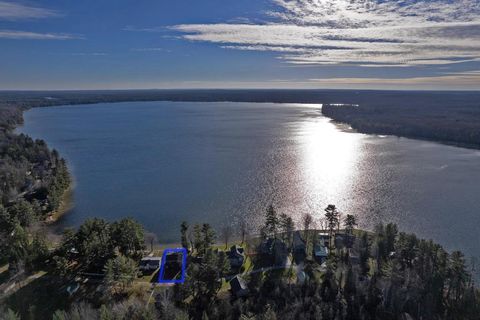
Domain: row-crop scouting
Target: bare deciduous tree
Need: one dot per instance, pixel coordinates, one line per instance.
(226, 234)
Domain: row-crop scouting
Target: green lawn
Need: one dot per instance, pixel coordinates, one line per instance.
(4, 274)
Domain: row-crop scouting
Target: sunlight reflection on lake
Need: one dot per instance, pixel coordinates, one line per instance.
(328, 162)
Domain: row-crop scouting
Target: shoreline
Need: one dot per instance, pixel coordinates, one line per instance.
(352, 126)
(66, 204)
(411, 137)
(371, 102)
(414, 125)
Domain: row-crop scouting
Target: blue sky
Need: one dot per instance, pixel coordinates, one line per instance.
(118, 44)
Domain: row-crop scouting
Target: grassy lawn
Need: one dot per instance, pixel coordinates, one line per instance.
(4, 274)
(225, 286)
(149, 277)
(248, 264)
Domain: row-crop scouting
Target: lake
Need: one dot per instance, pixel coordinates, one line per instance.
(222, 163)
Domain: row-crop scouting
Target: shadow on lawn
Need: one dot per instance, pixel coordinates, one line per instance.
(39, 299)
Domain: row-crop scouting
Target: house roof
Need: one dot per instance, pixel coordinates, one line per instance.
(150, 261)
(237, 283)
(237, 248)
(320, 251)
(235, 251)
(151, 258)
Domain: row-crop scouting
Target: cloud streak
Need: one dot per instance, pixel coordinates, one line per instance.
(16, 11)
(21, 35)
(468, 80)
(365, 32)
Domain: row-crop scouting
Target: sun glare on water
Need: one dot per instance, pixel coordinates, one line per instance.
(329, 162)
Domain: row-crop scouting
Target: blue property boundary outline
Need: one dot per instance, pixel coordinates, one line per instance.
(183, 251)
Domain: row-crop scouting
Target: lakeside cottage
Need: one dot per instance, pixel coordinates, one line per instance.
(276, 250)
(299, 248)
(339, 241)
(173, 266)
(236, 256)
(324, 239)
(320, 253)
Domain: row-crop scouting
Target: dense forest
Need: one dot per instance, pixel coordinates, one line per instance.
(449, 118)
(384, 274)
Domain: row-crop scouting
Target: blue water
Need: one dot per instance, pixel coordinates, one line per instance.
(222, 163)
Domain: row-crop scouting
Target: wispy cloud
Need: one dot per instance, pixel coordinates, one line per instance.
(363, 32)
(16, 11)
(467, 80)
(94, 54)
(15, 34)
(150, 50)
(151, 29)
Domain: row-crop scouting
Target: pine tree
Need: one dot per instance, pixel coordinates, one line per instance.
(332, 215)
(271, 222)
(183, 232)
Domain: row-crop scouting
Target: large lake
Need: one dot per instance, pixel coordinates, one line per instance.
(164, 162)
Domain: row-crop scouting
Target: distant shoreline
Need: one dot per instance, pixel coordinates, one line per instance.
(450, 118)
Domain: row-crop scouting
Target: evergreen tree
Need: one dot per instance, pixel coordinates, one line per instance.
(287, 226)
(129, 236)
(208, 237)
(332, 215)
(120, 272)
(271, 222)
(183, 232)
(350, 223)
(197, 238)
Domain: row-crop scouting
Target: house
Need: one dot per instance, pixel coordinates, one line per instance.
(236, 256)
(340, 240)
(320, 252)
(324, 239)
(299, 248)
(301, 277)
(150, 264)
(275, 250)
(238, 287)
(72, 288)
(173, 266)
(266, 246)
(280, 253)
(353, 256)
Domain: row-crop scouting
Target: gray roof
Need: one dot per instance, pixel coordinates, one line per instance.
(237, 283)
